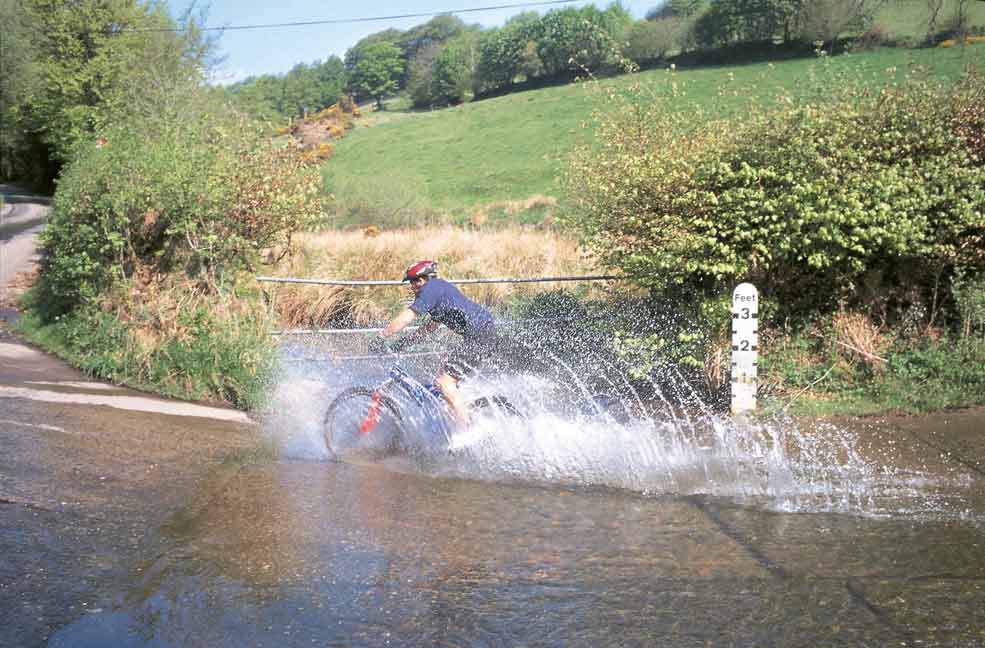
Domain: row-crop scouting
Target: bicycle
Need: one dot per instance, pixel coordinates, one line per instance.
(373, 421)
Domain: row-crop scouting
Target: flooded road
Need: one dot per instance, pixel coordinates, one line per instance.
(87, 478)
(133, 528)
(300, 553)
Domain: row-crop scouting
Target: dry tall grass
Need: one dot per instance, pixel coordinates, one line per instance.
(511, 252)
(860, 338)
(157, 310)
(481, 213)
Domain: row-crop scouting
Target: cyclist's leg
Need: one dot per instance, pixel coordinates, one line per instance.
(462, 362)
(448, 385)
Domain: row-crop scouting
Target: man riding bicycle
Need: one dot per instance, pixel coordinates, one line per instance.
(447, 305)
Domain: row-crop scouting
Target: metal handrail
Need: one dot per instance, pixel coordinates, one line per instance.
(394, 282)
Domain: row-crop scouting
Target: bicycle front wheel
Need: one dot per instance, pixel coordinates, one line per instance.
(361, 423)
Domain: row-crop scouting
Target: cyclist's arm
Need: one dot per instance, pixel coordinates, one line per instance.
(399, 323)
(422, 333)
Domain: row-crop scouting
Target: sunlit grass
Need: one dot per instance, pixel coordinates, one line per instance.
(908, 18)
(445, 163)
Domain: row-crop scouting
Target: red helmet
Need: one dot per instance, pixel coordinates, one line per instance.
(426, 268)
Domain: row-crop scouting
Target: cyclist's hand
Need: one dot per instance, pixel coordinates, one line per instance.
(378, 345)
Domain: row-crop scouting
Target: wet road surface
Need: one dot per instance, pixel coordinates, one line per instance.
(85, 488)
(137, 528)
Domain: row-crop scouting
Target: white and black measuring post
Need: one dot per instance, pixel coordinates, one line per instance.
(745, 347)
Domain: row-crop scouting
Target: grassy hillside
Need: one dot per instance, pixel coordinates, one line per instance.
(908, 18)
(402, 167)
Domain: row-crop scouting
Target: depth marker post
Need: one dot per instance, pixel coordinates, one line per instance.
(745, 347)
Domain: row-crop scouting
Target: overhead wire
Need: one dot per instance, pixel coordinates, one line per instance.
(340, 21)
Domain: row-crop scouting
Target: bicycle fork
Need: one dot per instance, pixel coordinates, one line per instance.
(372, 417)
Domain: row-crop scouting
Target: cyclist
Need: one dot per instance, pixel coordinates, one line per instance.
(446, 305)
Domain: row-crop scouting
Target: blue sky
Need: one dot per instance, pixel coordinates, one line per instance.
(276, 50)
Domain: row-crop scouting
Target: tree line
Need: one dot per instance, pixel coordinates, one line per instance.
(446, 61)
(67, 65)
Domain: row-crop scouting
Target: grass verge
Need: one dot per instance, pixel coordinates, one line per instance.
(170, 340)
(916, 377)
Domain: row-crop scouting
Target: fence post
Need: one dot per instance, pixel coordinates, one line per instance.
(745, 347)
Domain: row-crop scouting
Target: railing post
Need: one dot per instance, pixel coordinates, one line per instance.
(745, 347)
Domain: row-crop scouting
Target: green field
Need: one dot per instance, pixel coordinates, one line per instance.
(399, 166)
(908, 18)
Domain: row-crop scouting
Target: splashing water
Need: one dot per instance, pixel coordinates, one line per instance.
(778, 463)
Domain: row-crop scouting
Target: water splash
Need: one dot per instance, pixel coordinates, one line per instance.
(647, 446)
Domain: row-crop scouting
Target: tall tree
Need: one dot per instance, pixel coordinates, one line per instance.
(453, 71)
(934, 8)
(17, 76)
(355, 53)
(92, 57)
(675, 9)
(738, 21)
(437, 31)
(378, 72)
(420, 75)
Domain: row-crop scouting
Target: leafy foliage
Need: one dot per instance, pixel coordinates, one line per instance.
(453, 72)
(562, 42)
(807, 373)
(574, 40)
(969, 298)
(868, 199)
(743, 21)
(378, 72)
(18, 154)
(420, 73)
(675, 9)
(86, 57)
(304, 89)
(437, 32)
(652, 40)
(185, 188)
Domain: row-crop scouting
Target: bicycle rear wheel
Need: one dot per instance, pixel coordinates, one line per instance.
(494, 405)
(360, 425)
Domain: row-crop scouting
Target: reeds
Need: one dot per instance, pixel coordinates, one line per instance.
(376, 255)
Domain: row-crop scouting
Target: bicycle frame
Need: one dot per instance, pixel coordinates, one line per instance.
(427, 396)
(415, 389)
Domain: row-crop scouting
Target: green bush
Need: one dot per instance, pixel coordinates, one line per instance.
(969, 298)
(194, 347)
(182, 188)
(870, 198)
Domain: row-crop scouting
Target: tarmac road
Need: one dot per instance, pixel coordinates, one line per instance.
(86, 468)
(20, 222)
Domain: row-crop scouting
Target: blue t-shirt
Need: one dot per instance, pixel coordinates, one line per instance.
(447, 305)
